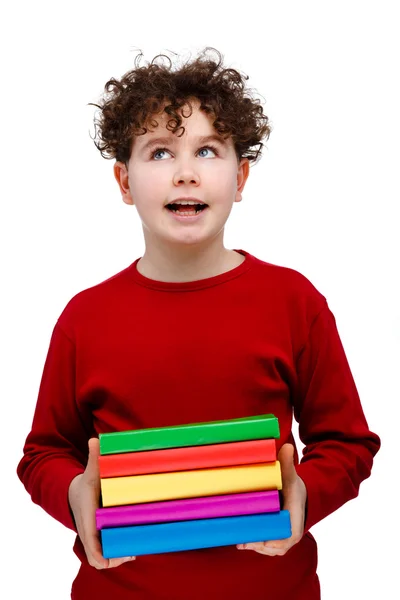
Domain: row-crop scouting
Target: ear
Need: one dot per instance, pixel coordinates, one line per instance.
(242, 175)
(121, 175)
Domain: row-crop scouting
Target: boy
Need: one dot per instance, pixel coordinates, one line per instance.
(194, 332)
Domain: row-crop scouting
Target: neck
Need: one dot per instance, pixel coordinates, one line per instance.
(190, 263)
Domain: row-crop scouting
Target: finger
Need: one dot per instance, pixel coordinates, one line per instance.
(293, 503)
(251, 546)
(270, 550)
(292, 498)
(286, 460)
(116, 562)
(278, 544)
(92, 468)
(89, 534)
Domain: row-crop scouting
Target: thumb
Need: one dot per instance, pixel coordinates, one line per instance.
(286, 460)
(92, 467)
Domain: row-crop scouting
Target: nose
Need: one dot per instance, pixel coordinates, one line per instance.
(186, 174)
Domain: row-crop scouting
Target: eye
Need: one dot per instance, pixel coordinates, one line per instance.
(157, 150)
(210, 148)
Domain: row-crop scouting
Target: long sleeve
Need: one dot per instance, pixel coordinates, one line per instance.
(55, 450)
(339, 447)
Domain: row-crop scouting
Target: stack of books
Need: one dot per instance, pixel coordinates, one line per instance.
(190, 486)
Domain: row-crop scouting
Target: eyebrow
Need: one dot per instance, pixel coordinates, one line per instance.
(204, 139)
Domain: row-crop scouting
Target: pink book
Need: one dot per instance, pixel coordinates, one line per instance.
(188, 509)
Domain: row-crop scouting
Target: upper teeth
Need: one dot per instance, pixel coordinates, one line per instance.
(186, 202)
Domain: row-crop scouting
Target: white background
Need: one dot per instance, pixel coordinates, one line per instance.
(322, 200)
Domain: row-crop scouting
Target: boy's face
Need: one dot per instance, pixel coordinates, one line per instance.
(186, 167)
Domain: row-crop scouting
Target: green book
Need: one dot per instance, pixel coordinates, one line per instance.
(193, 434)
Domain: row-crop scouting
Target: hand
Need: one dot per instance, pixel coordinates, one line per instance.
(294, 500)
(83, 496)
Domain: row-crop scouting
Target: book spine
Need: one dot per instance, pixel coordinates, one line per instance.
(251, 428)
(187, 509)
(188, 458)
(135, 489)
(189, 535)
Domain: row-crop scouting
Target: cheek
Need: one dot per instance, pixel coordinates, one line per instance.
(224, 190)
(148, 188)
(225, 176)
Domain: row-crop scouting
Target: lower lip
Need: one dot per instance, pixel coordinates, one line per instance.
(187, 218)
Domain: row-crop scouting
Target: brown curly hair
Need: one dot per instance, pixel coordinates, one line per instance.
(128, 105)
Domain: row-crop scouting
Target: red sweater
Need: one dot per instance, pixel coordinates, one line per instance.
(132, 352)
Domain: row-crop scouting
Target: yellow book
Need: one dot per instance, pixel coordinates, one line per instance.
(117, 491)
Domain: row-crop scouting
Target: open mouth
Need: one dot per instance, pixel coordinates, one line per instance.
(186, 209)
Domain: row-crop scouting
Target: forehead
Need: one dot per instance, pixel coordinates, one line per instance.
(198, 126)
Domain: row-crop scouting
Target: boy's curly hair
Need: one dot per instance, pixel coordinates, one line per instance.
(129, 105)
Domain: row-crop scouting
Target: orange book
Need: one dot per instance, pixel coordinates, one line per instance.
(187, 458)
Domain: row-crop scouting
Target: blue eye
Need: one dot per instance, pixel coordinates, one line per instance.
(157, 150)
(208, 148)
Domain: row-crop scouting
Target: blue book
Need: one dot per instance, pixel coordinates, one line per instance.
(190, 535)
